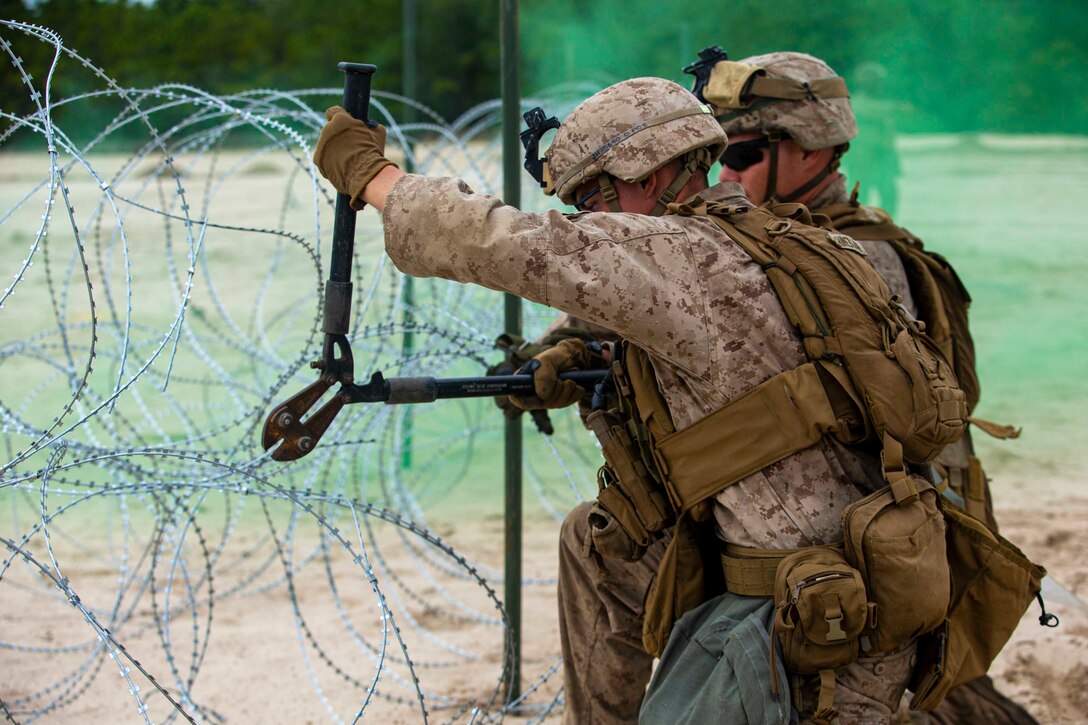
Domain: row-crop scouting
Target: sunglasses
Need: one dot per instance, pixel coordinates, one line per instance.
(739, 156)
(579, 204)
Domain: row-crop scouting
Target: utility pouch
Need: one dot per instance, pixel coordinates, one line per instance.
(821, 609)
(992, 585)
(896, 539)
(678, 587)
(939, 405)
(627, 490)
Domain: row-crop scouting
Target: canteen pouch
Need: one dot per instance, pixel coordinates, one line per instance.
(896, 539)
(992, 585)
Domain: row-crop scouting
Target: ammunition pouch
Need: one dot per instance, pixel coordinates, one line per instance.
(627, 489)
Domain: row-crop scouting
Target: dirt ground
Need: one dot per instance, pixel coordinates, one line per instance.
(289, 651)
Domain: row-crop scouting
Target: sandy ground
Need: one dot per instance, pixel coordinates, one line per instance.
(1044, 669)
(289, 652)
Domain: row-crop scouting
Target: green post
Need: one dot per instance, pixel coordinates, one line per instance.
(511, 158)
(409, 88)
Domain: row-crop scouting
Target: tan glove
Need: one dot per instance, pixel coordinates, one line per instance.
(350, 153)
(551, 392)
(540, 417)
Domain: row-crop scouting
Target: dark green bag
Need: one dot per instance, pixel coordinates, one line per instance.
(717, 668)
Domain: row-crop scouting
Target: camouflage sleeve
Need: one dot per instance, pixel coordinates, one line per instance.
(567, 321)
(633, 275)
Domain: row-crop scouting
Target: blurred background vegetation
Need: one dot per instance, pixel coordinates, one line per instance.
(1011, 66)
(973, 118)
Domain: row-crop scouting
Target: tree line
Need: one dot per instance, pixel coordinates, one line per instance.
(956, 66)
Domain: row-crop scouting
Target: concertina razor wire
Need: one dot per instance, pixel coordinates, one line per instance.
(165, 250)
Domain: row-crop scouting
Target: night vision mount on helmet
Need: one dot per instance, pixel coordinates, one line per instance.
(538, 125)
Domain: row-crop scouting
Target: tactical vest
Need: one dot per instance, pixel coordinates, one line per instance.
(872, 378)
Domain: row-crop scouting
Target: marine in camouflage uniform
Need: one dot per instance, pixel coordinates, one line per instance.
(676, 286)
(812, 135)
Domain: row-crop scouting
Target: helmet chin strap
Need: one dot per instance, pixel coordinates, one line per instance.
(697, 160)
(771, 193)
(693, 161)
(608, 192)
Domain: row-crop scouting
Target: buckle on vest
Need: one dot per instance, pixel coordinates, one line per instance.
(833, 617)
(778, 227)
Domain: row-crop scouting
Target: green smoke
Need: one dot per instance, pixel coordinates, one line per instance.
(1001, 66)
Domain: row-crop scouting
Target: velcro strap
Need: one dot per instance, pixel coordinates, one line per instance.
(996, 430)
(791, 90)
(783, 415)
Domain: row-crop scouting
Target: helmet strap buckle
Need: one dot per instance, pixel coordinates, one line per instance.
(771, 194)
(608, 193)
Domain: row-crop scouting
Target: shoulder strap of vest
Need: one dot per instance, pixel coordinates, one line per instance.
(866, 222)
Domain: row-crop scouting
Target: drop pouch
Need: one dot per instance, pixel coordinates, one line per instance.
(992, 585)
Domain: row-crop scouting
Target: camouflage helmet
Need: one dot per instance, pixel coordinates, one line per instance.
(816, 119)
(629, 130)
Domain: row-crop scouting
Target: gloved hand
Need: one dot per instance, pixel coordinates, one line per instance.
(540, 417)
(350, 153)
(551, 392)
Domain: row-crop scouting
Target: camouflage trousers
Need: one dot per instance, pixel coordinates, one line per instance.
(977, 701)
(606, 670)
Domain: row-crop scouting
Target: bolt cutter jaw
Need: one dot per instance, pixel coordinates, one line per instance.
(296, 436)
